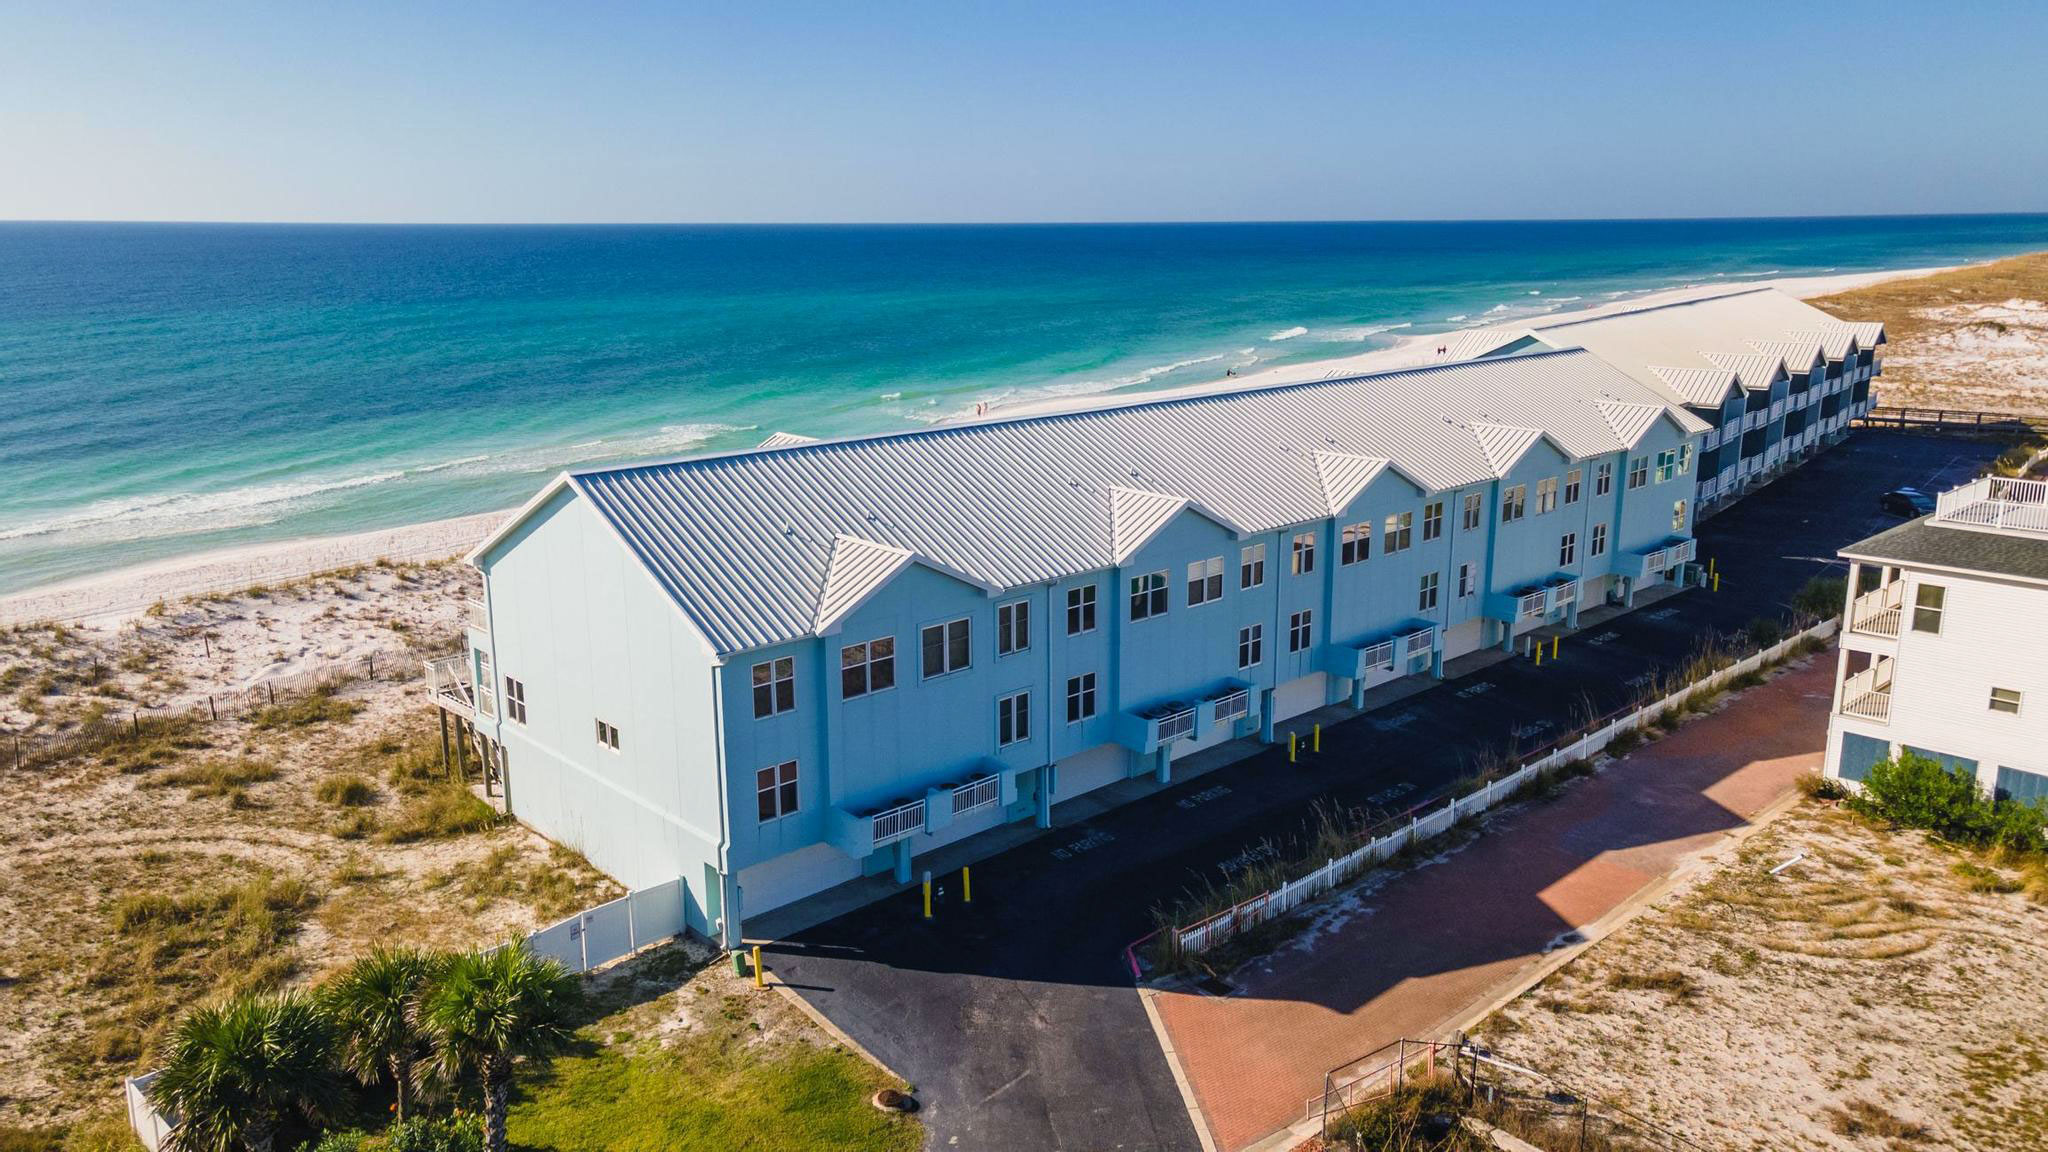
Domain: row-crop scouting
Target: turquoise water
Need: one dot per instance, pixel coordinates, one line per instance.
(171, 388)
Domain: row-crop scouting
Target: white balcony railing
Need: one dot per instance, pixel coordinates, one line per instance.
(475, 615)
(1175, 725)
(1230, 708)
(1419, 642)
(896, 823)
(1878, 611)
(1997, 503)
(1380, 655)
(976, 795)
(449, 684)
(1533, 604)
(1869, 693)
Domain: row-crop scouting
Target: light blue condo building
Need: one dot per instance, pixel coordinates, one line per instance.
(773, 671)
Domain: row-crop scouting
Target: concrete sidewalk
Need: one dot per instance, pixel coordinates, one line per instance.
(1417, 954)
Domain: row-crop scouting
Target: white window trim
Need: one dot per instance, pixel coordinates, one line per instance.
(1006, 633)
(1016, 737)
(946, 637)
(1085, 601)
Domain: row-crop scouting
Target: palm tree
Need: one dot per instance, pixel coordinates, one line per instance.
(239, 1069)
(487, 1009)
(374, 1005)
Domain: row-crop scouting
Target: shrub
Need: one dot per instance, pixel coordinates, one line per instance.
(1822, 597)
(346, 1140)
(219, 777)
(1915, 791)
(316, 707)
(347, 790)
(462, 1132)
(448, 809)
(1815, 786)
(1764, 631)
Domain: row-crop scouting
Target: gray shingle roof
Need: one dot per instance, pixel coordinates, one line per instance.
(749, 543)
(1923, 543)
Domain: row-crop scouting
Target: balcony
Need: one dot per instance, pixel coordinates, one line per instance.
(1777, 411)
(977, 794)
(1868, 693)
(1147, 730)
(1878, 612)
(450, 687)
(1652, 563)
(893, 824)
(475, 616)
(1996, 504)
(1530, 605)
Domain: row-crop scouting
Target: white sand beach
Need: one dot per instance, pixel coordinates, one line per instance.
(110, 598)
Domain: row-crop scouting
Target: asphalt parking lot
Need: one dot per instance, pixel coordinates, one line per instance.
(1015, 1017)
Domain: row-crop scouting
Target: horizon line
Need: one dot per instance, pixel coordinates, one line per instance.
(1159, 223)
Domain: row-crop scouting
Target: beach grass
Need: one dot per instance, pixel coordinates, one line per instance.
(1902, 304)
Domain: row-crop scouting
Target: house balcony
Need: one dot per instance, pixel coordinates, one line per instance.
(451, 687)
(475, 616)
(1868, 694)
(1650, 564)
(1996, 504)
(1384, 659)
(860, 831)
(1777, 411)
(1147, 730)
(1879, 611)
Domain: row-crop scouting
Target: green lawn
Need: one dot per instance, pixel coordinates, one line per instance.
(748, 1072)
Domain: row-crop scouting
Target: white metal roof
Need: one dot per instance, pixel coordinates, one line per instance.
(751, 545)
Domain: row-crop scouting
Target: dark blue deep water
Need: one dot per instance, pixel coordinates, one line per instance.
(168, 388)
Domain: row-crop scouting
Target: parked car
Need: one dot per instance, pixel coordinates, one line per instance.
(1908, 502)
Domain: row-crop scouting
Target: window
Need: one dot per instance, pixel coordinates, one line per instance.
(487, 700)
(1927, 605)
(1013, 719)
(1251, 566)
(1465, 582)
(1080, 610)
(1300, 631)
(1599, 543)
(774, 687)
(775, 790)
(946, 647)
(1251, 646)
(1567, 549)
(1400, 533)
(1513, 502)
(1685, 458)
(865, 668)
(1667, 465)
(1205, 580)
(1080, 697)
(515, 701)
(1678, 515)
(1432, 520)
(1638, 472)
(2005, 700)
(1356, 543)
(1571, 485)
(608, 735)
(1546, 495)
(1603, 478)
(1148, 595)
(1425, 596)
(1013, 627)
(1304, 560)
(1475, 507)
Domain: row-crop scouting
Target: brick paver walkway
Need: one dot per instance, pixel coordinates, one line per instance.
(1414, 955)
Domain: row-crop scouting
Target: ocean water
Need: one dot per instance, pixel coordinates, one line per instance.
(171, 388)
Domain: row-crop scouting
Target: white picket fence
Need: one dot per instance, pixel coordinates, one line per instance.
(1277, 902)
(590, 939)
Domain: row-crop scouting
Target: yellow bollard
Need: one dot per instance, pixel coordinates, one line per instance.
(1539, 655)
(1717, 581)
(966, 886)
(1553, 646)
(1316, 742)
(927, 895)
(758, 981)
(1292, 739)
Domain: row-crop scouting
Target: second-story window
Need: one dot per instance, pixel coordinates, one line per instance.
(2005, 700)
(1148, 595)
(1080, 697)
(1013, 627)
(608, 735)
(515, 701)
(1465, 581)
(1929, 600)
(1638, 472)
(1304, 560)
(774, 686)
(869, 667)
(1513, 502)
(1251, 566)
(1205, 580)
(1013, 719)
(775, 790)
(1603, 478)
(946, 647)
(1355, 544)
(1474, 509)
(1300, 631)
(1425, 598)
(1571, 485)
(1546, 495)
(1400, 533)
(1685, 458)
(1432, 520)
(1598, 547)
(1567, 549)
(1251, 646)
(1080, 610)
(1667, 466)
(1678, 516)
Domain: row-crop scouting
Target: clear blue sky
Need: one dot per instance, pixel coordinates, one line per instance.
(970, 111)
